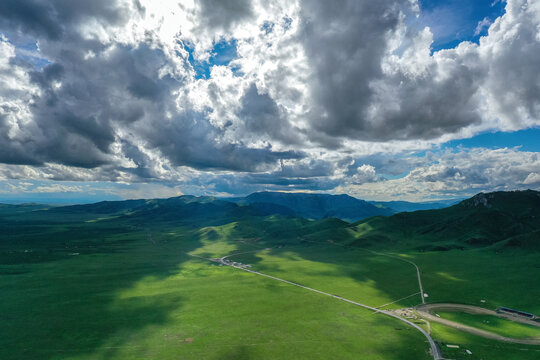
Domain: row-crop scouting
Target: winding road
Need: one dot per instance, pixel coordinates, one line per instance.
(422, 309)
(422, 294)
(434, 348)
(425, 312)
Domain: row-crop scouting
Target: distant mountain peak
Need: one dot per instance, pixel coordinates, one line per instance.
(315, 205)
(503, 199)
(481, 200)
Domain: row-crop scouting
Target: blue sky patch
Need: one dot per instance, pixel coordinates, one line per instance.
(527, 140)
(222, 54)
(395, 177)
(454, 21)
(29, 53)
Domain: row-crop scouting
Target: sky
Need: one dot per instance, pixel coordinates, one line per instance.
(412, 100)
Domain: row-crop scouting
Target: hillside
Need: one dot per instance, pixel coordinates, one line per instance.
(314, 206)
(401, 206)
(507, 219)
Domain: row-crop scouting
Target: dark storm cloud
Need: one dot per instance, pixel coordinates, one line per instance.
(77, 120)
(222, 14)
(143, 87)
(123, 102)
(35, 16)
(428, 110)
(354, 97)
(70, 123)
(14, 152)
(345, 45)
(195, 142)
(261, 115)
(85, 99)
(53, 18)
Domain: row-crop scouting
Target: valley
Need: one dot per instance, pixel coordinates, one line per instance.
(97, 282)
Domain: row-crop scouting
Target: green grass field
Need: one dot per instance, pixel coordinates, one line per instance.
(132, 299)
(107, 286)
(481, 348)
(493, 324)
(467, 277)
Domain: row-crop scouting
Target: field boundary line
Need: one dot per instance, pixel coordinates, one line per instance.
(403, 298)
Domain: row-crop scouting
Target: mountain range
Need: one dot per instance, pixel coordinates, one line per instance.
(499, 219)
(402, 206)
(314, 206)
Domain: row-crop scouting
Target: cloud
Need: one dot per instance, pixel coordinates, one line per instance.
(458, 173)
(532, 179)
(318, 96)
(344, 61)
(101, 94)
(511, 87)
(482, 24)
(364, 174)
(54, 18)
(224, 14)
(261, 116)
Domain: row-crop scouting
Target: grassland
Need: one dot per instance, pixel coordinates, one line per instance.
(493, 324)
(125, 297)
(106, 285)
(467, 277)
(481, 348)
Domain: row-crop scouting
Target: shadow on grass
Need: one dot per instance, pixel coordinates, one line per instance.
(75, 305)
(241, 352)
(325, 245)
(63, 295)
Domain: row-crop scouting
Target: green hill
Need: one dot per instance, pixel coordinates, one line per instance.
(401, 206)
(507, 219)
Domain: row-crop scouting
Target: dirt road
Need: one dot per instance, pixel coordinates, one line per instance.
(471, 309)
(382, 254)
(434, 348)
(407, 261)
(426, 312)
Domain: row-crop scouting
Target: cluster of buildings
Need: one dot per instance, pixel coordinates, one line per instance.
(236, 264)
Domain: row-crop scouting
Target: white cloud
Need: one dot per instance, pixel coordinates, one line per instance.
(532, 179)
(457, 173)
(482, 24)
(309, 99)
(364, 174)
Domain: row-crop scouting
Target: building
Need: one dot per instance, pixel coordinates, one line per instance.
(516, 312)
